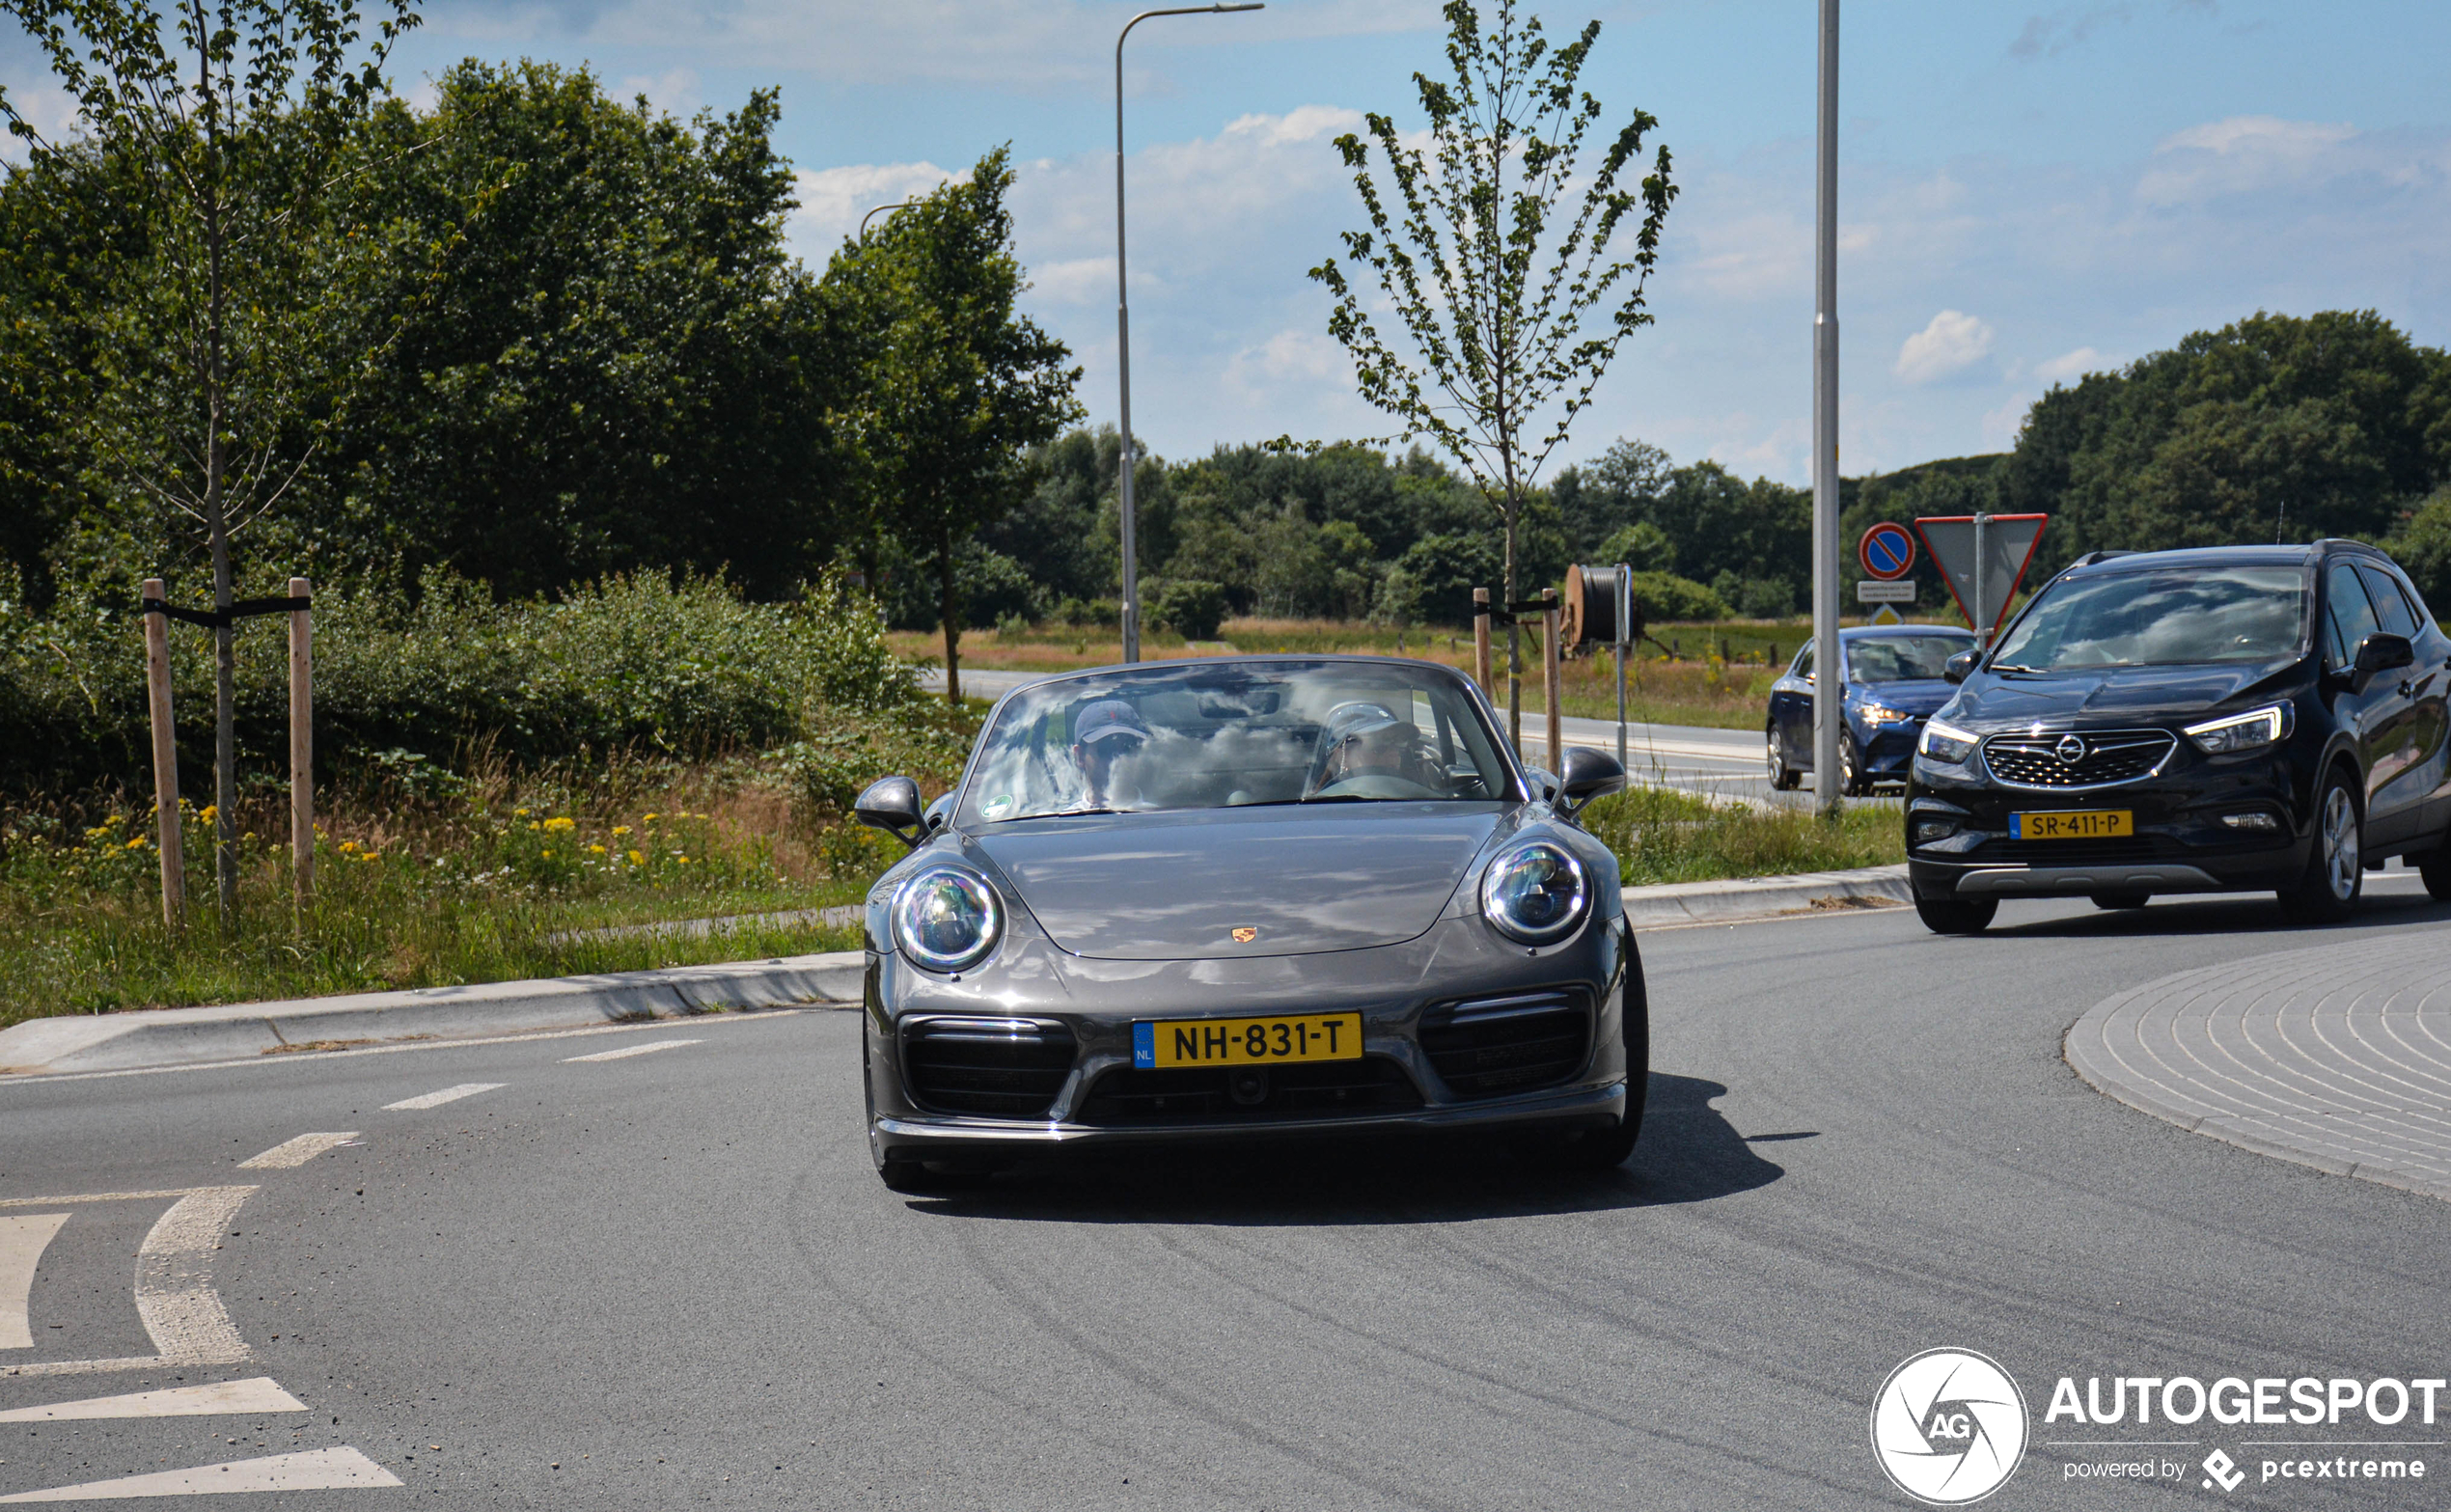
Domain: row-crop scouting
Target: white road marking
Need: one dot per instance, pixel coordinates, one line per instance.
(627, 1051)
(448, 1094)
(320, 1055)
(289, 1153)
(314, 1470)
(257, 1394)
(174, 1296)
(22, 1241)
(95, 1197)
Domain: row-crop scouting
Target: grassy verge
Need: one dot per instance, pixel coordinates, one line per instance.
(468, 880)
(1664, 836)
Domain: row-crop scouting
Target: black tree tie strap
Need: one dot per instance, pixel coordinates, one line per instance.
(214, 619)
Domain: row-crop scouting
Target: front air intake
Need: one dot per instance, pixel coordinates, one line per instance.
(988, 1068)
(1485, 1047)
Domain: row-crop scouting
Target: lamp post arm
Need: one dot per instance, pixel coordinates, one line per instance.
(899, 205)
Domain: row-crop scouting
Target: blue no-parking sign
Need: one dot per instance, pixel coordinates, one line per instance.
(1887, 551)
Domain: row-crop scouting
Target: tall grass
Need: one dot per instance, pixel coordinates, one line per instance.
(1661, 835)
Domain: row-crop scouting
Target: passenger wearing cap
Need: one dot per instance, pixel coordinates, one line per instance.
(1361, 739)
(1104, 732)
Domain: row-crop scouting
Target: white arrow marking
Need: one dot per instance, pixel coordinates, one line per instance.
(628, 1051)
(174, 1291)
(23, 1238)
(296, 1152)
(448, 1094)
(314, 1470)
(259, 1394)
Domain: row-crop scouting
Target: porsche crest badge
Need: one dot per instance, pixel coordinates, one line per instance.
(1245, 934)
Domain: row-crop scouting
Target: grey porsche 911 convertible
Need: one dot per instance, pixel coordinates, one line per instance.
(1203, 900)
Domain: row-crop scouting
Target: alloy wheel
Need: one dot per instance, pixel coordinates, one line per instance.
(2341, 854)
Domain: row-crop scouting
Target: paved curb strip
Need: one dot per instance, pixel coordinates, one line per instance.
(178, 1036)
(1751, 897)
(173, 1036)
(2336, 1057)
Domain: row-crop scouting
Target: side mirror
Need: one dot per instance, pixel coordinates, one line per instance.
(2380, 652)
(940, 812)
(1588, 774)
(890, 804)
(1956, 667)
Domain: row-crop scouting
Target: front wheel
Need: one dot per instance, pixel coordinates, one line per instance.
(1782, 777)
(1593, 1152)
(2437, 875)
(2335, 871)
(1956, 915)
(2118, 900)
(1851, 778)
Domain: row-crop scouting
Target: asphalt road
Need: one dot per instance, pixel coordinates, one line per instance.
(669, 1279)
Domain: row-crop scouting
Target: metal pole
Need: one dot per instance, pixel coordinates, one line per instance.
(1625, 618)
(1831, 685)
(899, 205)
(301, 746)
(1480, 640)
(1127, 514)
(1552, 691)
(1983, 620)
(165, 758)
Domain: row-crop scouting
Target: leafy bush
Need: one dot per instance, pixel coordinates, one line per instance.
(1663, 596)
(2423, 546)
(1190, 607)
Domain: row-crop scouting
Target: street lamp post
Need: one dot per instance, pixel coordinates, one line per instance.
(899, 205)
(1131, 612)
(1829, 684)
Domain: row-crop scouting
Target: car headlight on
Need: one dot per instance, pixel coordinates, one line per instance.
(946, 919)
(1946, 744)
(1536, 893)
(2245, 731)
(1878, 714)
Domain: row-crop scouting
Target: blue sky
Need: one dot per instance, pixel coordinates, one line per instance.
(2027, 191)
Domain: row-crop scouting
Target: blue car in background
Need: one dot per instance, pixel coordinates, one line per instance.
(1894, 683)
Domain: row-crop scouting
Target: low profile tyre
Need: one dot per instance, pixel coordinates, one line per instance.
(1851, 778)
(1956, 915)
(1782, 777)
(1595, 1153)
(2335, 870)
(2119, 900)
(2437, 875)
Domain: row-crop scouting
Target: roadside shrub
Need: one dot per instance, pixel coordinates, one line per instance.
(1664, 597)
(1190, 607)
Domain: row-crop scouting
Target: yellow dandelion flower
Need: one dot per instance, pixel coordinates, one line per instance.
(518, 813)
(557, 825)
(138, 843)
(348, 848)
(549, 855)
(637, 859)
(534, 825)
(596, 850)
(115, 819)
(683, 860)
(648, 818)
(370, 855)
(209, 812)
(621, 829)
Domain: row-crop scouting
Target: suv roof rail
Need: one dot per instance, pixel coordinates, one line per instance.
(2092, 557)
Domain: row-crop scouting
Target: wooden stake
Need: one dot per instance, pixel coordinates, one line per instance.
(165, 760)
(1549, 678)
(301, 746)
(1480, 640)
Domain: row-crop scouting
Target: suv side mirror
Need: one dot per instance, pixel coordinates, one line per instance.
(1956, 667)
(890, 804)
(2378, 654)
(1588, 774)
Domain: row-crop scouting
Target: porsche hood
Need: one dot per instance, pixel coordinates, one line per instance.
(1288, 880)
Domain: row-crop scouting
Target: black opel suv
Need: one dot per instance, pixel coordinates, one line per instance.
(2228, 718)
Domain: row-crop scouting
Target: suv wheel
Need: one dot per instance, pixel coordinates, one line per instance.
(1956, 915)
(1851, 779)
(2335, 871)
(2121, 899)
(2437, 875)
(1782, 777)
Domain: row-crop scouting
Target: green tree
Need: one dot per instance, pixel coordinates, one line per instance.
(956, 385)
(1511, 312)
(221, 129)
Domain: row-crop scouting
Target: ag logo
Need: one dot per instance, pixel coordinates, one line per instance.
(1948, 1427)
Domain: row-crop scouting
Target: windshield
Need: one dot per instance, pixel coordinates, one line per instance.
(1228, 736)
(2160, 620)
(1903, 658)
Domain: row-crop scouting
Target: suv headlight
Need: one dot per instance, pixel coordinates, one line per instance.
(1536, 892)
(2245, 731)
(1946, 744)
(1881, 714)
(946, 919)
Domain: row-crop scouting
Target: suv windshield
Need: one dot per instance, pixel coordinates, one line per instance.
(1228, 736)
(2160, 619)
(1903, 658)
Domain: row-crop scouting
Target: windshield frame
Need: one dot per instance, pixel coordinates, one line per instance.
(2309, 585)
(1511, 765)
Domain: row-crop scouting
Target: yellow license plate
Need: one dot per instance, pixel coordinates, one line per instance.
(2073, 824)
(1247, 1042)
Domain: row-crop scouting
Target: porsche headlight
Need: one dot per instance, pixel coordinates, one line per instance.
(1945, 744)
(2244, 731)
(1536, 893)
(946, 919)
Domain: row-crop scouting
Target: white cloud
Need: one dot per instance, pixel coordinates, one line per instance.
(675, 92)
(2241, 154)
(1950, 344)
(1999, 426)
(1291, 356)
(47, 107)
(833, 200)
(2072, 365)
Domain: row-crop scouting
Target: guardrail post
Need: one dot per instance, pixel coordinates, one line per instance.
(165, 758)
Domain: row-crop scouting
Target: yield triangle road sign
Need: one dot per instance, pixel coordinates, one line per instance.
(1982, 582)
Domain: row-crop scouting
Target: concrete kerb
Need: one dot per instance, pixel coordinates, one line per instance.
(173, 1036)
(178, 1036)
